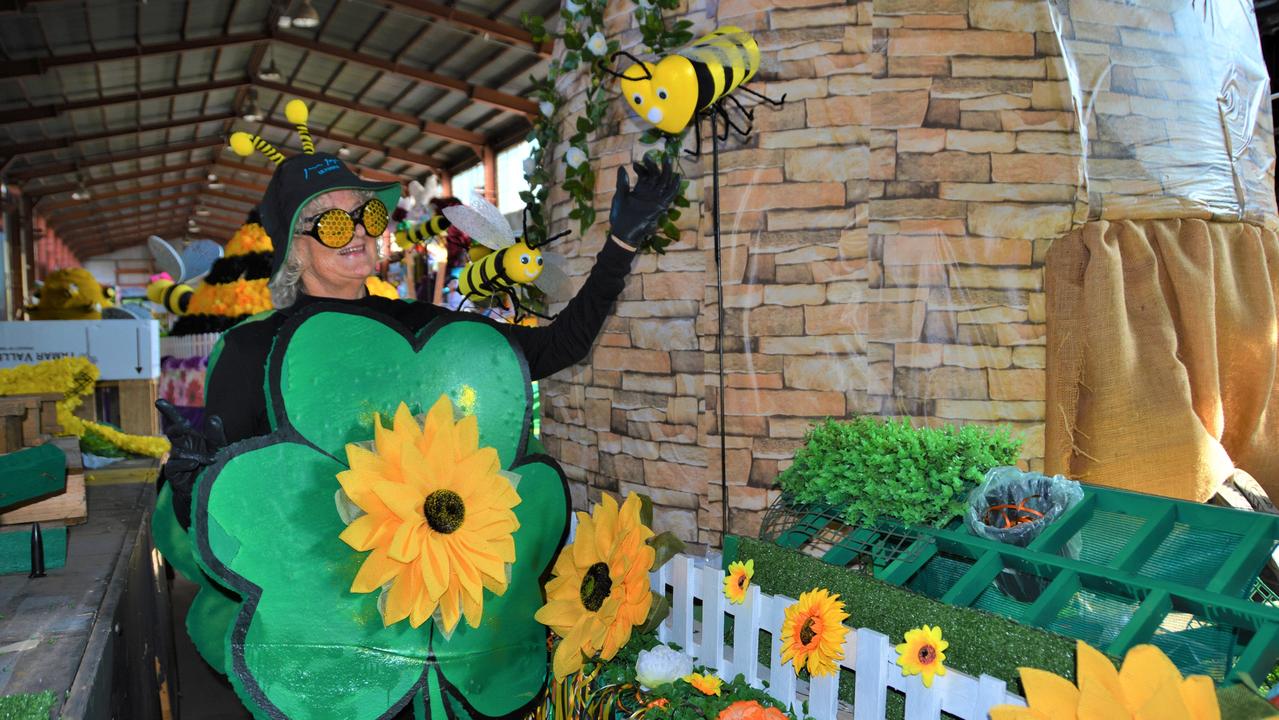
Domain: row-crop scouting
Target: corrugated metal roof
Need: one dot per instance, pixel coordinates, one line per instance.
(96, 90)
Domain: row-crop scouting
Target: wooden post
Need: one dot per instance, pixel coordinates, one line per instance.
(490, 174)
(446, 183)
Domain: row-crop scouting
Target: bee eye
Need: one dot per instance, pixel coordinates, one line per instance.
(661, 93)
(539, 261)
(638, 99)
(524, 259)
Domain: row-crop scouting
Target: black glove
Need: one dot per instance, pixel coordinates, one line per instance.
(192, 452)
(636, 211)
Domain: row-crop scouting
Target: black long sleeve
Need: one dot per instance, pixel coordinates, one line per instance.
(568, 339)
(236, 376)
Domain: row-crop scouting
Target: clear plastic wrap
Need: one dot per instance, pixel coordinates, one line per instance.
(1014, 507)
(1172, 105)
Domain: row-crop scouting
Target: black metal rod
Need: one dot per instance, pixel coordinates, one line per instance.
(37, 551)
(719, 289)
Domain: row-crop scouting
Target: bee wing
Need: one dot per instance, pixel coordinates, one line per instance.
(478, 227)
(553, 281)
(493, 217)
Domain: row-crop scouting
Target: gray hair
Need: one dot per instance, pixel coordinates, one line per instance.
(287, 283)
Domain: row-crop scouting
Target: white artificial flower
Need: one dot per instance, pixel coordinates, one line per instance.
(546, 108)
(646, 4)
(597, 45)
(660, 666)
(572, 7)
(574, 157)
(529, 166)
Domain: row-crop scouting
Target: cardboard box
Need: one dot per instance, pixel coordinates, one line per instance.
(122, 349)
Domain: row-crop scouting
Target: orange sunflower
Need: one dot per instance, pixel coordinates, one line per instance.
(600, 588)
(435, 508)
(813, 632)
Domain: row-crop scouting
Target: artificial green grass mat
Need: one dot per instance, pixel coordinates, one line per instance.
(1239, 703)
(27, 706)
(979, 642)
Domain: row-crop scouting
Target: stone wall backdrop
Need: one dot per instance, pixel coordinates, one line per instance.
(884, 236)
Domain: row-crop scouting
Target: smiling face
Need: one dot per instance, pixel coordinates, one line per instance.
(335, 272)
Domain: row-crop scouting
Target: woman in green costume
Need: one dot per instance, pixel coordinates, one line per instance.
(287, 395)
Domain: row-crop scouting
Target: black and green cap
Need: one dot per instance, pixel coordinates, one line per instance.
(297, 181)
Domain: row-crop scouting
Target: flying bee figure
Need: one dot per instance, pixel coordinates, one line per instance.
(422, 232)
(693, 81)
(511, 263)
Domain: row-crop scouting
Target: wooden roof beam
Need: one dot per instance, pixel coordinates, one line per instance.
(425, 161)
(38, 66)
(66, 142)
(46, 208)
(496, 29)
(40, 112)
(442, 131)
(44, 192)
(495, 98)
(71, 167)
(100, 214)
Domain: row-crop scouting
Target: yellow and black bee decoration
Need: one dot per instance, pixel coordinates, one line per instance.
(419, 234)
(512, 261)
(674, 91)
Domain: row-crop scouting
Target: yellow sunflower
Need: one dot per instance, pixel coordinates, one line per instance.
(600, 588)
(923, 654)
(436, 510)
(813, 632)
(707, 684)
(738, 580)
(1147, 686)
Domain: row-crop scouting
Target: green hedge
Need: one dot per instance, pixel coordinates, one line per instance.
(979, 641)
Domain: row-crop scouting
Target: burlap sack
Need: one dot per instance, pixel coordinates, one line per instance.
(1163, 341)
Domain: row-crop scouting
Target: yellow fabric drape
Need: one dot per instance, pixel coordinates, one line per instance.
(1163, 344)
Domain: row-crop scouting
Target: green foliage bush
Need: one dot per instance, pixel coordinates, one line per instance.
(872, 468)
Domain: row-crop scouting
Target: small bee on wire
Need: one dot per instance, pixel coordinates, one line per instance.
(511, 263)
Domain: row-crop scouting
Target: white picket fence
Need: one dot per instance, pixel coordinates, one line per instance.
(188, 346)
(869, 654)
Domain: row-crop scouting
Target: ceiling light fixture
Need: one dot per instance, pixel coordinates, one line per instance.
(306, 17)
(81, 191)
(344, 151)
(201, 211)
(252, 112)
(212, 177)
(270, 73)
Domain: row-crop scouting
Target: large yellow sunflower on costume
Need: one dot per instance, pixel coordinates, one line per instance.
(738, 580)
(923, 653)
(437, 514)
(1148, 686)
(813, 632)
(600, 589)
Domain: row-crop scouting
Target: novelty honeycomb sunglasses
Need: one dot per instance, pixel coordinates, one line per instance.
(335, 227)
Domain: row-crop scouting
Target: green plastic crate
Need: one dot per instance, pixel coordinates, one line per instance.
(1180, 575)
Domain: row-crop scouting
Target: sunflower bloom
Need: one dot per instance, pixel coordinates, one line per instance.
(437, 515)
(708, 684)
(1147, 686)
(923, 654)
(738, 580)
(600, 588)
(813, 632)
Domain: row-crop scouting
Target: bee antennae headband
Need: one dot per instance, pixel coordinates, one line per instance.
(296, 113)
(244, 144)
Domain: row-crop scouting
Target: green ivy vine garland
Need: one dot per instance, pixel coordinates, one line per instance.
(585, 47)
